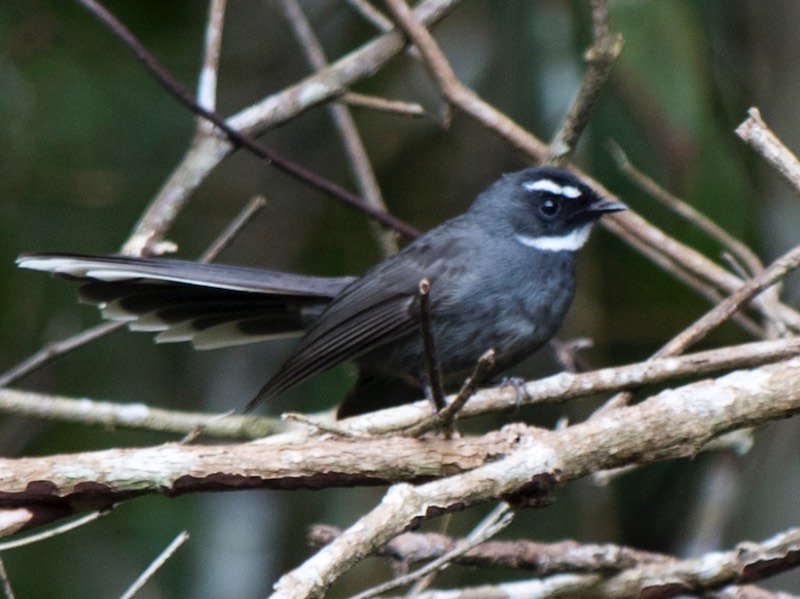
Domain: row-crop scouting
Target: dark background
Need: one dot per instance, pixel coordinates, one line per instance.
(87, 138)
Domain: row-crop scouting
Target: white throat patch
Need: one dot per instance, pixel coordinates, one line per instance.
(550, 186)
(572, 241)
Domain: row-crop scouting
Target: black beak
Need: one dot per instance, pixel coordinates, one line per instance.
(600, 207)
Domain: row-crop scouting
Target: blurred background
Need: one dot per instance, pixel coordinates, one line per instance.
(87, 138)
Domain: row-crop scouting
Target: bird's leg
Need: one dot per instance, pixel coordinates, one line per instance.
(518, 383)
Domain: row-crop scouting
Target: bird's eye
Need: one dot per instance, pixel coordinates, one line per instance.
(549, 208)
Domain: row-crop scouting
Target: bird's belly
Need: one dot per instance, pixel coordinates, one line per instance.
(513, 329)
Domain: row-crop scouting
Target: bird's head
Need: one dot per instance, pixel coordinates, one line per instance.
(545, 208)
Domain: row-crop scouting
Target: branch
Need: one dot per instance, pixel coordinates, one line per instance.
(755, 131)
(208, 152)
(555, 389)
(720, 313)
(543, 559)
(135, 416)
(207, 82)
(600, 57)
(159, 561)
(666, 426)
(519, 464)
(629, 226)
(351, 139)
(566, 386)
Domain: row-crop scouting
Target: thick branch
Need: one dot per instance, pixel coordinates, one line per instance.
(518, 463)
(669, 425)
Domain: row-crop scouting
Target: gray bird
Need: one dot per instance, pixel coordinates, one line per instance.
(502, 276)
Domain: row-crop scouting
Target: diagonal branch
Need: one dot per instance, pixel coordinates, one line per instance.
(360, 165)
(207, 153)
(236, 137)
(720, 313)
(665, 426)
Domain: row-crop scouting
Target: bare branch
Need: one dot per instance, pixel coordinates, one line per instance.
(8, 591)
(356, 152)
(135, 415)
(755, 131)
(558, 388)
(51, 532)
(600, 58)
(55, 349)
(207, 82)
(434, 372)
(160, 560)
(497, 521)
(720, 313)
(233, 229)
(382, 104)
(445, 417)
(371, 14)
(566, 385)
(207, 153)
(542, 558)
(688, 212)
(663, 427)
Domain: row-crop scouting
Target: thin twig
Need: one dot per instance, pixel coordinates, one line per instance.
(776, 272)
(237, 138)
(688, 212)
(55, 349)
(444, 418)
(770, 299)
(229, 233)
(207, 82)
(497, 520)
(317, 425)
(756, 132)
(411, 109)
(200, 429)
(7, 590)
(432, 57)
(718, 314)
(435, 386)
(600, 58)
(360, 165)
(371, 14)
(492, 520)
(155, 565)
(53, 532)
(134, 416)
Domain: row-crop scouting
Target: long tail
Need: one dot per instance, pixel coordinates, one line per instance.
(212, 305)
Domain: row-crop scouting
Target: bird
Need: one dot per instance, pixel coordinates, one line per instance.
(501, 276)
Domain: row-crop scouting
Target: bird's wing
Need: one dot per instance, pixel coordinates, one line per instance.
(213, 305)
(376, 309)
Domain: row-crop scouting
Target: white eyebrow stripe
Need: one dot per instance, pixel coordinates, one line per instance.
(572, 241)
(566, 191)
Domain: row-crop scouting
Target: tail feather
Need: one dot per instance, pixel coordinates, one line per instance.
(212, 305)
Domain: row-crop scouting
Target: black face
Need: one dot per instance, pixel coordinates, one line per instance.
(544, 202)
